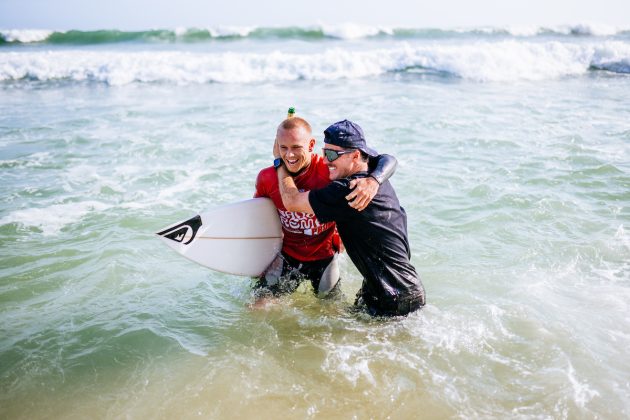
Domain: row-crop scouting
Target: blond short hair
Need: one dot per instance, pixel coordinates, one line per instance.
(295, 122)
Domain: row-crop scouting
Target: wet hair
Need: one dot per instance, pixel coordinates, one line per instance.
(295, 122)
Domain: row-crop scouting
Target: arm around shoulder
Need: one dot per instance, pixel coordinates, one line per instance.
(364, 189)
(385, 167)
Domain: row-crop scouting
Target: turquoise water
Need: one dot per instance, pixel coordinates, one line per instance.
(517, 191)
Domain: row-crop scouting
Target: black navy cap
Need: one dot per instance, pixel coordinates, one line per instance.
(348, 135)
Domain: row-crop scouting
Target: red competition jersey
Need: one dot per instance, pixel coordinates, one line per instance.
(305, 239)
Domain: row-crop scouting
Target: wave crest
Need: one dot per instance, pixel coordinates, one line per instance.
(488, 61)
(343, 31)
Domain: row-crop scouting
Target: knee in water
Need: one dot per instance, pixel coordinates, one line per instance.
(329, 281)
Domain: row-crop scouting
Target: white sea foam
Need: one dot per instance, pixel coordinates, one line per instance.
(33, 160)
(351, 361)
(354, 31)
(582, 393)
(581, 29)
(345, 31)
(623, 237)
(481, 61)
(524, 30)
(53, 218)
(218, 31)
(595, 29)
(25, 35)
(227, 31)
(613, 59)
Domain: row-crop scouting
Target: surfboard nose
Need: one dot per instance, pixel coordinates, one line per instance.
(182, 232)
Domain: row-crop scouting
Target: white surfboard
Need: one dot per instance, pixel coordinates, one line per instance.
(241, 238)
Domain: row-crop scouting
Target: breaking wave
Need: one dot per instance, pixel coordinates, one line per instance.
(478, 61)
(316, 32)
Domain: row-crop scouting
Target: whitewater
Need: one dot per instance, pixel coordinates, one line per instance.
(513, 146)
(285, 54)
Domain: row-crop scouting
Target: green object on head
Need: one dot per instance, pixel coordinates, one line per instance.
(291, 111)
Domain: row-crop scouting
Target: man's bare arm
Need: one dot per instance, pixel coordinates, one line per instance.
(292, 198)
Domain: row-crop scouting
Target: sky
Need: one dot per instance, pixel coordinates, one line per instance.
(148, 14)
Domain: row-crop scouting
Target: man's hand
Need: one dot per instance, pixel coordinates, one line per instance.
(363, 191)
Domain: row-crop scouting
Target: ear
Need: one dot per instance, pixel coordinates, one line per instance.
(311, 145)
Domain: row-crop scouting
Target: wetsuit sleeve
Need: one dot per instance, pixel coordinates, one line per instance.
(329, 203)
(382, 167)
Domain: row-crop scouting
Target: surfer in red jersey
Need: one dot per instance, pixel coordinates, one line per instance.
(310, 248)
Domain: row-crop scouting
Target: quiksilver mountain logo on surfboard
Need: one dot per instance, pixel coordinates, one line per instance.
(184, 231)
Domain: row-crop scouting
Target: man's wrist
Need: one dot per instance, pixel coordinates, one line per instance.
(277, 163)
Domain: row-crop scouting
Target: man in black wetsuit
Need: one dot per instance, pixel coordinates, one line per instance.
(375, 238)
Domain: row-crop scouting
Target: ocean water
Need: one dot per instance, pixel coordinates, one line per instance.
(514, 169)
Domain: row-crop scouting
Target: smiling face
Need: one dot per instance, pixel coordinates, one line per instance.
(295, 145)
(345, 165)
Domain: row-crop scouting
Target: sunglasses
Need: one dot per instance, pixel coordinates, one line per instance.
(333, 155)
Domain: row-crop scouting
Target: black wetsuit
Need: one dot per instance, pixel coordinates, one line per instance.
(376, 241)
